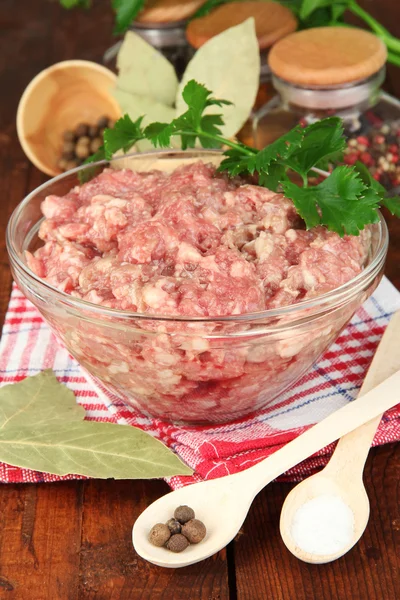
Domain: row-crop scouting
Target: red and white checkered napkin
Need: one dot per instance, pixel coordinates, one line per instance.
(27, 347)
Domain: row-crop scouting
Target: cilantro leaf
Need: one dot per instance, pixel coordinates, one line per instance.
(341, 202)
(75, 3)
(393, 205)
(125, 12)
(280, 150)
(322, 143)
(123, 136)
(207, 7)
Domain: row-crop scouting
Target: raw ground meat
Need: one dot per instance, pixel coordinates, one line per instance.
(191, 243)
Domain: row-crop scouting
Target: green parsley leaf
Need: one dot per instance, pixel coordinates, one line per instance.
(322, 142)
(207, 7)
(75, 3)
(123, 136)
(125, 12)
(341, 202)
(393, 205)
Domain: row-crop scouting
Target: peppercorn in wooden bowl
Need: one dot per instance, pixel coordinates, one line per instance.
(57, 100)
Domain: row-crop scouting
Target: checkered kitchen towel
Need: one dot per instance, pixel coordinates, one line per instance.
(27, 347)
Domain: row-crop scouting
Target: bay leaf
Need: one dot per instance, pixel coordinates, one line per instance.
(100, 450)
(144, 71)
(39, 399)
(229, 65)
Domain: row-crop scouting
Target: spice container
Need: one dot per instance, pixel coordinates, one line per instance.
(318, 73)
(162, 24)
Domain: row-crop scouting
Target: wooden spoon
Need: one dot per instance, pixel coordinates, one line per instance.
(342, 477)
(222, 504)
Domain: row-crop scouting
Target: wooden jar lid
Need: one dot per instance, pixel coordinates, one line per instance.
(273, 21)
(168, 11)
(327, 56)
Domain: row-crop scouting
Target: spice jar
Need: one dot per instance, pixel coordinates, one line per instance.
(162, 24)
(318, 73)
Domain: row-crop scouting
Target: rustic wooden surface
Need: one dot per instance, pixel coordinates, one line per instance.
(71, 541)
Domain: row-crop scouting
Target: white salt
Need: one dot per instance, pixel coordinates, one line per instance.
(323, 525)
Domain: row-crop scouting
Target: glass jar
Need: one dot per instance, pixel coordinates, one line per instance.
(186, 369)
(335, 71)
(294, 103)
(162, 23)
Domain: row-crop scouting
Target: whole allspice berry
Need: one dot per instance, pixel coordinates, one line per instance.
(174, 526)
(183, 514)
(194, 530)
(177, 543)
(159, 534)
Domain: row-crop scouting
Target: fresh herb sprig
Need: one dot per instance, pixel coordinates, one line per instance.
(345, 201)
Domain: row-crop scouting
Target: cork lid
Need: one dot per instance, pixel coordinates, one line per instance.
(273, 21)
(327, 56)
(168, 11)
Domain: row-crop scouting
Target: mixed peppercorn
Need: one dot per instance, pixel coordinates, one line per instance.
(178, 532)
(379, 150)
(82, 142)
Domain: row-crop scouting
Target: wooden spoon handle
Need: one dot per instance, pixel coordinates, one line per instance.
(341, 422)
(355, 446)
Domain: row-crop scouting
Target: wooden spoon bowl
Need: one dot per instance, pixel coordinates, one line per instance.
(57, 99)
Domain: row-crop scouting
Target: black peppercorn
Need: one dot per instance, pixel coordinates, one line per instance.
(174, 526)
(177, 543)
(184, 514)
(82, 129)
(102, 122)
(93, 131)
(194, 530)
(159, 534)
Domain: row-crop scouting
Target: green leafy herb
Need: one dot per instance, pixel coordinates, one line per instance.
(75, 3)
(208, 7)
(344, 202)
(125, 12)
(42, 428)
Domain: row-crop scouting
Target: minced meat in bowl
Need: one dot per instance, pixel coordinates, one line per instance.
(193, 297)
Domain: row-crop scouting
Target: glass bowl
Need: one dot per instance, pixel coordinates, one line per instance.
(190, 370)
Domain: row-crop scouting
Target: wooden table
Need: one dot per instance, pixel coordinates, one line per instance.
(72, 540)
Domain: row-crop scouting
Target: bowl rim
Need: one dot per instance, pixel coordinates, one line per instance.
(335, 296)
(23, 102)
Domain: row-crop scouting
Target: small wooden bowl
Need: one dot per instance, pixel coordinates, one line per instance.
(57, 99)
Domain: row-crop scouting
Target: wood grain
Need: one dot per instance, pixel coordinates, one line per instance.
(71, 540)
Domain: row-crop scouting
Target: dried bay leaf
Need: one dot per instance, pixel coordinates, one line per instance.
(100, 450)
(144, 71)
(40, 399)
(229, 65)
(42, 428)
